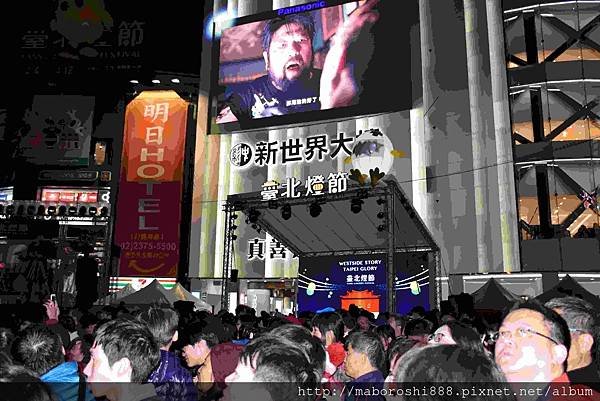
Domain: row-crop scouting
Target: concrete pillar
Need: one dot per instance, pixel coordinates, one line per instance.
(504, 151)
(424, 135)
(240, 182)
(275, 267)
(476, 97)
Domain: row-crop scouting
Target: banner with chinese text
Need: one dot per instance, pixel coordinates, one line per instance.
(150, 189)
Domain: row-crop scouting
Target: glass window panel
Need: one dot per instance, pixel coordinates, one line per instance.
(100, 153)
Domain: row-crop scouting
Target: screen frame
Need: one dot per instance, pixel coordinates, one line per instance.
(294, 119)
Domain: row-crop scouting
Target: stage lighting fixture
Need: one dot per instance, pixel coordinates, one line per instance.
(93, 211)
(234, 216)
(381, 227)
(62, 211)
(380, 215)
(356, 205)
(314, 209)
(233, 227)
(104, 211)
(234, 237)
(41, 210)
(286, 212)
(51, 210)
(253, 215)
(21, 210)
(72, 211)
(381, 201)
(30, 210)
(82, 211)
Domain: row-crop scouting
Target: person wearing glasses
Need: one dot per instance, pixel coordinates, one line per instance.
(585, 329)
(532, 348)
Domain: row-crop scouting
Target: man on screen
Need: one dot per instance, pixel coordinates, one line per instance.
(292, 84)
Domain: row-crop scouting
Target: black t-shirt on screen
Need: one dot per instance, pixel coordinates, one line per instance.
(260, 99)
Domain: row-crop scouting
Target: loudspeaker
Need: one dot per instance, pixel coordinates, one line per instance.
(233, 277)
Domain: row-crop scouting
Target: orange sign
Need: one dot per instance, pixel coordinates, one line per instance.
(363, 299)
(155, 126)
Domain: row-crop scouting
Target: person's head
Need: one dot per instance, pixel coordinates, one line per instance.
(455, 332)
(397, 323)
(364, 354)
(287, 48)
(88, 323)
(386, 335)
(78, 350)
(273, 359)
(197, 340)
(446, 365)
(162, 323)
(532, 344)
(397, 349)
(311, 345)
(584, 328)
(418, 329)
(220, 363)
(38, 349)
(363, 323)
(19, 383)
(328, 327)
(124, 352)
(349, 323)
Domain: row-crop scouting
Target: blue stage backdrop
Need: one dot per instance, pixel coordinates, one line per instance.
(338, 281)
(411, 281)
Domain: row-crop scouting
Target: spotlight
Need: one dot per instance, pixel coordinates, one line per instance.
(104, 211)
(286, 212)
(41, 210)
(381, 201)
(93, 211)
(72, 210)
(51, 210)
(30, 210)
(381, 227)
(82, 211)
(314, 209)
(234, 237)
(253, 215)
(356, 205)
(233, 227)
(10, 209)
(234, 216)
(380, 215)
(62, 211)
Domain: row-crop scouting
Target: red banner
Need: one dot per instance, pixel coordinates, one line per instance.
(155, 137)
(150, 188)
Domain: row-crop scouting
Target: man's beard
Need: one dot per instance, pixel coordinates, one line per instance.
(284, 83)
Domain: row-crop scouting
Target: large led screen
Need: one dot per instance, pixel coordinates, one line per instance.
(324, 60)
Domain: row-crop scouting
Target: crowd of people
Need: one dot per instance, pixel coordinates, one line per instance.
(534, 352)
